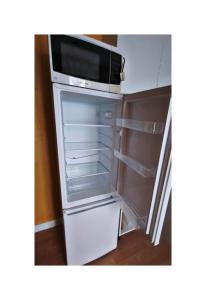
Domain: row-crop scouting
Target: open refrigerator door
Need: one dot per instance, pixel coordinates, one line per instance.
(141, 128)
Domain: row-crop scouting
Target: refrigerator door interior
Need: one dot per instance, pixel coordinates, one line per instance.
(142, 128)
(91, 232)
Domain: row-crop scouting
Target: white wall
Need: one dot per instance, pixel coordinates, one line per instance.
(165, 67)
(148, 61)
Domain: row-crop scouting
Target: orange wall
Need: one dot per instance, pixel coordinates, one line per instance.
(47, 189)
(106, 38)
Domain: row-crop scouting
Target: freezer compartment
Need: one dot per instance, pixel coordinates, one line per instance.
(91, 232)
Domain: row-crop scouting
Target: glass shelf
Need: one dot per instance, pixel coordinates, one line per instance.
(87, 146)
(84, 184)
(86, 124)
(85, 193)
(85, 169)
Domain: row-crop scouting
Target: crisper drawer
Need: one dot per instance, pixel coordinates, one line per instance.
(91, 232)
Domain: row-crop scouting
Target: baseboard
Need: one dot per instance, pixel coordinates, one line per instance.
(47, 225)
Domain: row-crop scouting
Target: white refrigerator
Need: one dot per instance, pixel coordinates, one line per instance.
(109, 149)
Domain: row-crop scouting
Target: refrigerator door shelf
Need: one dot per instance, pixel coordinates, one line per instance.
(91, 232)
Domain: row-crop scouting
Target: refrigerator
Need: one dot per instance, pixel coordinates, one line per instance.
(109, 148)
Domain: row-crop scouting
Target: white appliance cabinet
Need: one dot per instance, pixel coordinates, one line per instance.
(108, 151)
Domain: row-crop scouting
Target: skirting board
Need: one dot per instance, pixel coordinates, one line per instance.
(47, 225)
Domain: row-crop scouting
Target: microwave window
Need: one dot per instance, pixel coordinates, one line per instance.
(80, 62)
(77, 58)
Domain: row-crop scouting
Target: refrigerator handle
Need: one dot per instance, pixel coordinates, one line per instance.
(86, 209)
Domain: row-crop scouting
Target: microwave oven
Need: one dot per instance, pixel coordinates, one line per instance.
(85, 62)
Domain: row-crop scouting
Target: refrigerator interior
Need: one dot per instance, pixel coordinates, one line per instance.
(90, 137)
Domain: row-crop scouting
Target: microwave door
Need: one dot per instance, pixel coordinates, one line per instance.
(78, 62)
(142, 128)
(115, 73)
